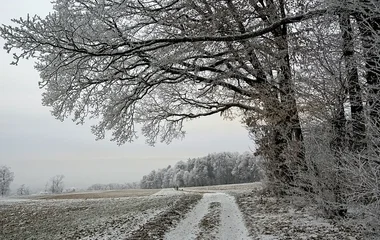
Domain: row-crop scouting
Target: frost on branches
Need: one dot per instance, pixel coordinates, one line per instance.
(214, 169)
(6, 178)
(303, 75)
(159, 63)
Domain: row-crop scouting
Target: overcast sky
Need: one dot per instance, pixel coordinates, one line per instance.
(36, 146)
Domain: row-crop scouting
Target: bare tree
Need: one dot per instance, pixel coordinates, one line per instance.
(23, 190)
(6, 178)
(56, 184)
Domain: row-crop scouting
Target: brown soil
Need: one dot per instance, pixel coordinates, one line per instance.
(209, 225)
(157, 228)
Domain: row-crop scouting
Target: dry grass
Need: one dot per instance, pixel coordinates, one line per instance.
(101, 194)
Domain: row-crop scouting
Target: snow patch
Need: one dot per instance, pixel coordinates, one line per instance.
(232, 224)
(168, 192)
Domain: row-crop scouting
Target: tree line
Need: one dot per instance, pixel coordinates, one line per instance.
(213, 169)
(113, 186)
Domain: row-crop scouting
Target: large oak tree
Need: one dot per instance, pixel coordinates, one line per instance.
(159, 63)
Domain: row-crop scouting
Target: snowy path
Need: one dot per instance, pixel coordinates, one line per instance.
(231, 220)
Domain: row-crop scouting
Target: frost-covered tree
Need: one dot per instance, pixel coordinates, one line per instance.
(160, 63)
(56, 184)
(6, 178)
(113, 186)
(336, 78)
(213, 169)
(23, 190)
(247, 170)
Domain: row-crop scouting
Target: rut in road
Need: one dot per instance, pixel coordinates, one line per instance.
(228, 218)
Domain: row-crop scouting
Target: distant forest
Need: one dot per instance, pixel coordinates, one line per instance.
(213, 169)
(113, 186)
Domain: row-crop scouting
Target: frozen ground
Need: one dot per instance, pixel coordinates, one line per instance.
(102, 218)
(216, 212)
(230, 224)
(230, 188)
(270, 218)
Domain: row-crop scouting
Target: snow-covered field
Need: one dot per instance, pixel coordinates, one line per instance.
(101, 218)
(270, 218)
(215, 212)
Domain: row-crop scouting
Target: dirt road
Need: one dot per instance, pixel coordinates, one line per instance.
(216, 216)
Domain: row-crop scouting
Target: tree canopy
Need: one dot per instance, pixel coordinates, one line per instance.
(6, 178)
(155, 63)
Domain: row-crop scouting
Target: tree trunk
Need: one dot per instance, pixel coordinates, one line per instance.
(354, 90)
(290, 121)
(281, 141)
(337, 145)
(369, 26)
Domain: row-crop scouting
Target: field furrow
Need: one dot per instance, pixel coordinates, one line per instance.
(106, 218)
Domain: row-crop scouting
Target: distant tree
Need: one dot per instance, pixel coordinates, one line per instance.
(133, 185)
(46, 190)
(179, 180)
(56, 184)
(213, 169)
(113, 186)
(6, 177)
(23, 190)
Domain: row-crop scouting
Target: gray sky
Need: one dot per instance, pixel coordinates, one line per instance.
(36, 146)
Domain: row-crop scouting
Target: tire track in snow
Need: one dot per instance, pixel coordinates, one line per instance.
(233, 226)
(209, 225)
(232, 223)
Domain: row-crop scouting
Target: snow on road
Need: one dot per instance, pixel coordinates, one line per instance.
(233, 226)
(168, 192)
(232, 223)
